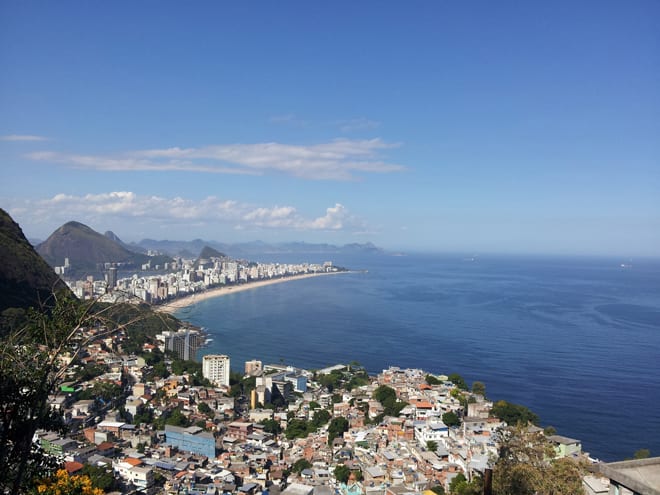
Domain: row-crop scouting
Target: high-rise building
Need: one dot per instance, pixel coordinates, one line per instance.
(215, 367)
(184, 342)
(111, 278)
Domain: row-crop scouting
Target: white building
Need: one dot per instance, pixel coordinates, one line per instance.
(215, 367)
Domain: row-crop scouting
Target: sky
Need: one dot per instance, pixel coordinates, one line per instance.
(477, 127)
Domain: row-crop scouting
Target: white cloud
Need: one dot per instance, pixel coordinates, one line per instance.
(340, 159)
(360, 124)
(22, 137)
(127, 207)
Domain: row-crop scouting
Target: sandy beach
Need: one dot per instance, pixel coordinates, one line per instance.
(185, 301)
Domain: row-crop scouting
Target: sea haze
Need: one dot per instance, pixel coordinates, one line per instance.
(575, 340)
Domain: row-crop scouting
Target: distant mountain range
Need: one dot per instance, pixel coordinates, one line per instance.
(88, 250)
(247, 249)
(25, 278)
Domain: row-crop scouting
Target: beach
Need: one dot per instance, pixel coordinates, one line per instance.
(182, 302)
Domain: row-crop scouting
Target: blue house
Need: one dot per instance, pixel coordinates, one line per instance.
(191, 439)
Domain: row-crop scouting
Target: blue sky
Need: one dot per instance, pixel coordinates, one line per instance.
(524, 127)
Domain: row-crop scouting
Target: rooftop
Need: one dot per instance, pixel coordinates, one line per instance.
(642, 476)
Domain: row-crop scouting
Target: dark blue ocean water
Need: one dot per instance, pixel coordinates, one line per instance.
(575, 340)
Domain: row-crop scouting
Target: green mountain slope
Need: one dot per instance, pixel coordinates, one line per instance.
(25, 278)
(86, 250)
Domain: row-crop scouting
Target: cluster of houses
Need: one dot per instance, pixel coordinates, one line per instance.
(169, 435)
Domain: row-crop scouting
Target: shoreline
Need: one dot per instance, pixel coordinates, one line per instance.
(188, 300)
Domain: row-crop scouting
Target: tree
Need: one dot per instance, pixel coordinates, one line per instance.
(177, 418)
(341, 473)
(451, 419)
(431, 445)
(513, 414)
(320, 418)
(438, 490)
(204, 408)
(458, 380)
(100, 477)
(63, 483)
(548, 431)
(297, 428)
(31, 367)
(300, 465)
(525, 466)
(459, 485)
(642, 454)
(272, 426)
(337, 428)
(432, 380)
(387, 397)
(456, 481)
(479, 388)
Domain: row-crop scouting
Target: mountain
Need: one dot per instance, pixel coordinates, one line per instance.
(86, 250)
(129, 247)
(25, 278)
(180, 248)
(247, 249)
(207, 254)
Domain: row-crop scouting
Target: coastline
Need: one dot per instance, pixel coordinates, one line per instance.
(185, 301)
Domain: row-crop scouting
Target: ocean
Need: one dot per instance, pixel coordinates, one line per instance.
(577, 340)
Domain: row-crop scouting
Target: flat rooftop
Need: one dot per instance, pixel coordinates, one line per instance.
(642, 476)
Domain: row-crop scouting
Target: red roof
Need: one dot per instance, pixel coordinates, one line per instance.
(133, 461)
(72, 467)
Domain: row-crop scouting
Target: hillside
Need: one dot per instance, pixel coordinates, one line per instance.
(25, 278)
(129, 247)
(207, 254)
(86, 249)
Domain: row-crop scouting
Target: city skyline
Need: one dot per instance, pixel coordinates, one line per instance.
(430, 127)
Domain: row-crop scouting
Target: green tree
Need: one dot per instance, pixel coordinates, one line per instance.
(479, 388)
(320, 418)
(387, 397)
(272, 426)
(432, 380)
(451, 419)
(297, 428)
(457, 481)
(336, 428)
(177, 418)
(438, 490)
(204, 408)
(642, 454)
(341, 473)
(548, 431)
(100, 477)
(458, 380)
(513, 414)
(431, 445)
(300, 465)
